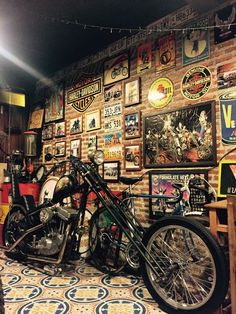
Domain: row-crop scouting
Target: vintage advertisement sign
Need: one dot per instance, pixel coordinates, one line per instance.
(161, 92)
(227, 178)
(226, 75)
(165, 53)
(226, 18)
(196, 82)
(195, 42)
(80, 98)
(228, 117)
(116, 69)
(113, 146)
(144, 58)
(112, 117)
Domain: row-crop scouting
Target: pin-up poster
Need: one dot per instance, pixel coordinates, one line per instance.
(228, 117)
(144, 58)
(225, 27)
(196, 44)
(165, 53)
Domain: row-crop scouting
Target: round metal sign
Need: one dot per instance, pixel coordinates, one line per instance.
(160, 92)
(196, 82)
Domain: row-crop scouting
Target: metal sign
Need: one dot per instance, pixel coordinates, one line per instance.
(82, 97)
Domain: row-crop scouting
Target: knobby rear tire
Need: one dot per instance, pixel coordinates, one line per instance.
(192, 268)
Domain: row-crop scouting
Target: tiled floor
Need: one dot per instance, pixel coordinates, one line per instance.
(83, 289)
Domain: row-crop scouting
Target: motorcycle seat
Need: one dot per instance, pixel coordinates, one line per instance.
(130, 181)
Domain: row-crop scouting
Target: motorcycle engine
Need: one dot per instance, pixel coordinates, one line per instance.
(49, 244)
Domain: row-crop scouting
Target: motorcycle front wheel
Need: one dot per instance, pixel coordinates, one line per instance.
(191, 273)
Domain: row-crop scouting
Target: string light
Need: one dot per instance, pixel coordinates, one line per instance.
(112, 29)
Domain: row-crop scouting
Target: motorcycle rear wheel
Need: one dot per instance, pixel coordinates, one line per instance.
(14, 227)
(191, 269)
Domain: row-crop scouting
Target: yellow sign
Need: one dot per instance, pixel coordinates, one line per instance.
(161, 92)
(12, 98)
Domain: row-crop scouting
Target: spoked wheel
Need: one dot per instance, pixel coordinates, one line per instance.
(107, 243)
(14, 227)
(191, 270)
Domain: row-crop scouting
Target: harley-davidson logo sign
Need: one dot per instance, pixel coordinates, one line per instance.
(81, 98)
(196, 82)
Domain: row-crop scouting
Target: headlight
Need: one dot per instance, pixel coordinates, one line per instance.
(97, 157)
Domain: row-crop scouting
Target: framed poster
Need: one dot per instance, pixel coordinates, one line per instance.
(196, 42)
(75, 147)
(116, 69)
(47, 132)
(224, 21)
(227, 178)
(161, 182)
(60, 129)
(76, 125)
(165, 53)
(47, 149)
(132, 124)
(36, 119)
(92, 120)
(132, 157)
(132, 92)
(54, 104)
(111, 171)
(60, 149)
(144, 57)
(184, 137)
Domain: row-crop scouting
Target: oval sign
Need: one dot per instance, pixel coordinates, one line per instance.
(196, 82)
(160, 92)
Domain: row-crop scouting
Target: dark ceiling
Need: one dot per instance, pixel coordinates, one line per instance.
(43, 34)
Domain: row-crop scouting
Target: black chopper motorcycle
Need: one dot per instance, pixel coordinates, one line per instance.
(181, 264)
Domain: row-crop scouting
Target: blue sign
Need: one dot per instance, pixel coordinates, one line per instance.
(228, 117)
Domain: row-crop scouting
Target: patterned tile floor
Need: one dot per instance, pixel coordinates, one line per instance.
(81, 290)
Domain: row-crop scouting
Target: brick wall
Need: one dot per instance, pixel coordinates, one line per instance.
(219, 54)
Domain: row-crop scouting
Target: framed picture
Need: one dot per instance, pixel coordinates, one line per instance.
(92, 120)
(60, 129)
(183, 137)
(60, 170)
(165, 52)
(132, 125)
(132, 92)
(116, 69)
(47, 132)
(76, 125)
(47, 149)
(54, 104)
(92, 143)
(132, 157)
(75, 147)
(36, 119)
(161, 182)
(111, 171)
(227, 178)
(60, 149)
(113, 93)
